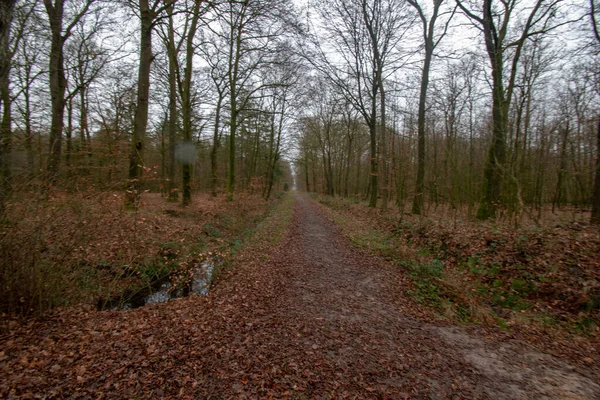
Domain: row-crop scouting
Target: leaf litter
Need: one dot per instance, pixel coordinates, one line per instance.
(309, 317)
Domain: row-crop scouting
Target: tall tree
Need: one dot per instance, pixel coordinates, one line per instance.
(595, 218)
(430, 43)
(248, 29)
(150, 15)
(185, 89)
(361, 45)
(27, 71)
(172, 50)
(6, 13)
(504, 41)
(58, 82)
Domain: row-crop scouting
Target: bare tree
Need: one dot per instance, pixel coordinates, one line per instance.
(149, 14)
(430, 42)
(595, 218)
(58, 82)
(504, 41)
(247, 30)
(366, 37)
(6, 14)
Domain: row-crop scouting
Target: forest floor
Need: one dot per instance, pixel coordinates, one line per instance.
(303, 313)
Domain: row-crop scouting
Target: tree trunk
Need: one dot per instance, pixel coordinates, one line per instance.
(562, 170)
(215, 147)
(58, 85)
(6, 11)
(384, 172)
(595, 219)
(306, 173)
(28, 135)
(418, 201)
(84, 135)
(496, 160)
(269, 174)
(373, 184)
(69, 134)
(186, 100)
(235, 48)
(171, 189)
(231, 161)
(136, 160)
(348, 164)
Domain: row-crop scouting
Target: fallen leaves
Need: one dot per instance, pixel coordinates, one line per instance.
(302, 319)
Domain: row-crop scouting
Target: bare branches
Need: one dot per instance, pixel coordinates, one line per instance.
(594, 22)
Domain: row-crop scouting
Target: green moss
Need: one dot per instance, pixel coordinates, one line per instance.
(211, 231)
(513, 302)
(521, 286)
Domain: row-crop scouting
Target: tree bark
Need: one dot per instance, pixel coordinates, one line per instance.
(595, 219)
(84, 134)
(6, 12)
(418, 202)
(496, 161)
(373, 181)
(171, 189)
(428, 32)
(69, 134)
(186, 104)
(136, 160)
(235, 48)
(58, 84)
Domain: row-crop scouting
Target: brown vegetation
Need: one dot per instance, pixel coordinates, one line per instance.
(82, 247)
(543, 278)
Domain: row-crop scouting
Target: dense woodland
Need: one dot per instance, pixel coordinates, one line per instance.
(489, 108)
(493, 106)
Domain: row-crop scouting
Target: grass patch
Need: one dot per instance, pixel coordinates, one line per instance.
(268, 229)
(425, 279)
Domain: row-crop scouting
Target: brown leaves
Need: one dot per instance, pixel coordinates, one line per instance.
(308, 318)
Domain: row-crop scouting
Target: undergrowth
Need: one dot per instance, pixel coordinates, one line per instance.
(269, 228)
(475, 272)
(80, 248)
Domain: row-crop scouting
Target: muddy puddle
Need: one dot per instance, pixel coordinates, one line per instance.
(165, 289)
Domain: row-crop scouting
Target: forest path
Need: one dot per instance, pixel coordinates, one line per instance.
(310, 318)
(348, 310)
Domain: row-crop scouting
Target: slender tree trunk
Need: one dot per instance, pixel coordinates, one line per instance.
(235, 48)
(562, 170)
(172, 194)
(373, 181)
(29, 136)
(215, 146)
(69, 134)
(384, 155)
(595, 219)
(306, 173)
(6, 11)
(231, 161)
(358, 169)
(418, 200)
(275, 159)
(84, 135)
(348, 164)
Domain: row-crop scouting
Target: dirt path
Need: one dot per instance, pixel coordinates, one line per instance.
(357, 326)
(312, 318)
